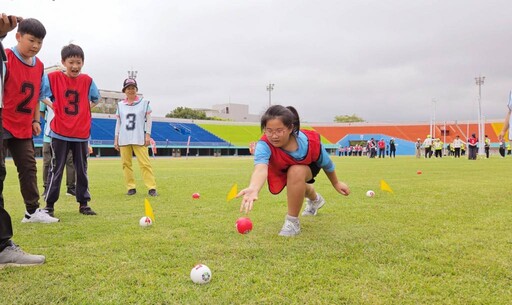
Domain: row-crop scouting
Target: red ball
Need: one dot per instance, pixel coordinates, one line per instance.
(196, 195)
(418, 172)
(243, 225)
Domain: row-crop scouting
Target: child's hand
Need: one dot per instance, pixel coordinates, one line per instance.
(249, 196)
(7, 23)
(36, 128)
(342, 188)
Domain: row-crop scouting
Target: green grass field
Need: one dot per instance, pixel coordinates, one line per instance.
(443, 237)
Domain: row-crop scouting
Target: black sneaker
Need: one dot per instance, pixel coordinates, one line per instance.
(131, 192)
(71, 192)
(86, 210)
(152, 193)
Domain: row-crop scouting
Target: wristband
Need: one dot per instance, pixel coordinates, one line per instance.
(36, 121)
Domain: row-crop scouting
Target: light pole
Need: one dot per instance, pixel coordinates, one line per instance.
(433, 119)
(270, 87)
(132, 74)
(479, 82)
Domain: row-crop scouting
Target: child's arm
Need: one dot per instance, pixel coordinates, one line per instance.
(116, 133)
(250, 194)
(147, 132)
(36, 122)
(339, 186)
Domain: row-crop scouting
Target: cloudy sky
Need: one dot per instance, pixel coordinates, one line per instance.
(382, 60)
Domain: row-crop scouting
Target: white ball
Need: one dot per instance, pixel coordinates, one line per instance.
(370, 193)
(145, 221)
(201, 274)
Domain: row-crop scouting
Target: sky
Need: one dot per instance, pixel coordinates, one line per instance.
(384, 61)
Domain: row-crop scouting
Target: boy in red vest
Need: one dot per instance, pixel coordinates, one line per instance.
(288, 156)
(22, 90)
(71, 95)
(10, 253)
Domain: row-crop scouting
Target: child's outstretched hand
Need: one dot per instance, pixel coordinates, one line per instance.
(249, 196)
(342, 188)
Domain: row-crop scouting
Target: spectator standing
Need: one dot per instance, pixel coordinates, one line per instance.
(382, 148)
(427, 145)
(487, 146)
(392, 148)
(133, 135)
(472, 147)
(418, 148)
(457, 145)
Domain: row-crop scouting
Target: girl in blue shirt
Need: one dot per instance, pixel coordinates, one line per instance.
(288, 156)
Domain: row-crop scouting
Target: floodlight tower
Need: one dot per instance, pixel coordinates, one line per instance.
(132, 74)
(433, 119)
(481, 128)
(270, 87)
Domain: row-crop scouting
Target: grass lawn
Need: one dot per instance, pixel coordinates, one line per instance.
(443, 237)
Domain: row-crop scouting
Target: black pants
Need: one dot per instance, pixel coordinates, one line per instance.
(381, 153)
(428, 152)
(70, 168)
(5, 219)
(60, 149)
(472, 152)
(487, 152)
(457, 152)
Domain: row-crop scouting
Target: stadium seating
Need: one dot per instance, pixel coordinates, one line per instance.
(175, 133)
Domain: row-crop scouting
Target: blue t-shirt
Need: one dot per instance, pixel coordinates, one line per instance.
(262, 153)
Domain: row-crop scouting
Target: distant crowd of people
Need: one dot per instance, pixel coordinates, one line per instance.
(370, 149)
(458, 147)
(427, 148)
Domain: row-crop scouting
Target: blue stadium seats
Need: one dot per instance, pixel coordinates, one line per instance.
(164, 133)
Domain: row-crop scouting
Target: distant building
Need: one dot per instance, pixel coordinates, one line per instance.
(233, 112)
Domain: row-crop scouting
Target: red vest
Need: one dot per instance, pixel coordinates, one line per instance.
(21, 95)
(71, 105)
(472, 141)
(280, 161)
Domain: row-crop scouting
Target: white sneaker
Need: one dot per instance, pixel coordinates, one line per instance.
(312, 206)
(14, 256)
(290, 228)
(39, 216)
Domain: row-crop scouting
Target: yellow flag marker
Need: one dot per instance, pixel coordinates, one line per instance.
(233, 192)
(148, 209)
(385, 187)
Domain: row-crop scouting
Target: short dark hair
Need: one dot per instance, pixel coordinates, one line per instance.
(288, 115)
(72, 50)
(33, 27)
